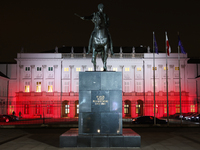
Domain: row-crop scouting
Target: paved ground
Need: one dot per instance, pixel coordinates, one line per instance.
(153, 138)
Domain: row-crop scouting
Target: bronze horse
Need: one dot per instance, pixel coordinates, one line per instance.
(100, 39)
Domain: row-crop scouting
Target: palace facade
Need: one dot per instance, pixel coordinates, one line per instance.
(47, 84)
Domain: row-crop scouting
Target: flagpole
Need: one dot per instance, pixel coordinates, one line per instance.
(154, 80)
(179, 80)
(167, 81)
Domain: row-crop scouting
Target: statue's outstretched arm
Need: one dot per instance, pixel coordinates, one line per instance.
(85, 17)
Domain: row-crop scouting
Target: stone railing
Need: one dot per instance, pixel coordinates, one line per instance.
(116, 55)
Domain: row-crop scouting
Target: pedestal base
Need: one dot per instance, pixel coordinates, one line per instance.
(129, 138)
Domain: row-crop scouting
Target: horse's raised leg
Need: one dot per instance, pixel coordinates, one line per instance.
(104, 58)
(94, 54)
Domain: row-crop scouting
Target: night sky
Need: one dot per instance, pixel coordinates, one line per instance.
(42, 25)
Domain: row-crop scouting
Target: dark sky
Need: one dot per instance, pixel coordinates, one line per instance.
(42, 25)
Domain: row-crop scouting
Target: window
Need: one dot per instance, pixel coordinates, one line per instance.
(90, 69)
(176, 68)
(77, 109)
(154, 67)
(39, 68)
(11, 109)
(50, 68)
(156, 108)
(49, 109)
(126, 86)
(26, 109)
(177, 108)
(27, 86)
(155, 86)
(66, 109)
(78, 69)
(192, 108)
(165, 68)
(66, 69)
(176, 86)
(165, 109)
(126, 107)
(27, 68)
(38, 86)
(37, 109)
(165, 90)
(50, 86)
(114, 69)
(66, 87)
(139, 86)
(126, 69)
(138, 109)
(77, 86)
(139, 68)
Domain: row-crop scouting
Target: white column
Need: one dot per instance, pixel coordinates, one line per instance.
(32, 78)
(160, 84)
(71, 77)
(133, 79)
(43, 78)
(56, 78)
(20, 78)
(171, 78)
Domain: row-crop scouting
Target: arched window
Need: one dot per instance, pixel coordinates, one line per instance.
(127, 108)
(65, 108)
(139, 108)
(76, 108)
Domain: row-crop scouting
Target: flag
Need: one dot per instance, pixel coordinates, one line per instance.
(181, 45)
(168, 46)
(155, 45)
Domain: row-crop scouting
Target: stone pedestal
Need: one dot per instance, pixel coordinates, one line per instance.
(71, 138)
(100, 114)
(100, 103)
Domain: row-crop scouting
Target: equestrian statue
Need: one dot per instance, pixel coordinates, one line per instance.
(100, 39)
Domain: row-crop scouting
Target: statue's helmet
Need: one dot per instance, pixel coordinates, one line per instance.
(100, 6)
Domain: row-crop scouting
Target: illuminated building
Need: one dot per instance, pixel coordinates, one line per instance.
(47, 84)
(4, 82)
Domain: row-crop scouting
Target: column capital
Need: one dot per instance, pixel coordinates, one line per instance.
(32, 66)
(71, 66)
(133, 66)
(182, 66)
(109, 66)
(44, 66)
(55, 66)
(21, 66)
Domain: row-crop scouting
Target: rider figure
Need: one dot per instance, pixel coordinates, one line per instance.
(94, 18)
